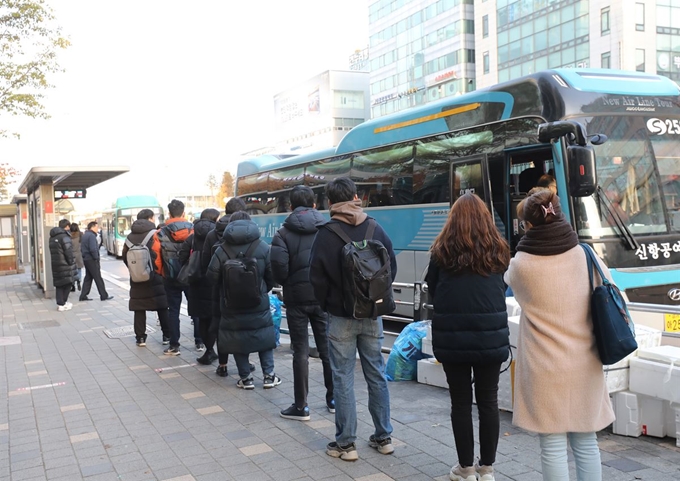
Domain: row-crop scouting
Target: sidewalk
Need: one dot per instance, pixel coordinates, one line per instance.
(77, 404)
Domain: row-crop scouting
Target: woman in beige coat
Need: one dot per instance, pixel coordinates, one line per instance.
(560, 390)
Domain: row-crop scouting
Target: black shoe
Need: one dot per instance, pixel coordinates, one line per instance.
(84, 298)
(172, 351)
(331, 406)
(200, 347)
(107, 298)
(246, 384)
(141, 341)
(73, 288)
(271, 380)
(252, 367)
(206, 359)
(221, 371)
(166, 341)
(294, 413)
(384, 446)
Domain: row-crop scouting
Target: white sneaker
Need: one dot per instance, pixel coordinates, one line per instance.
(68, 306)
(459, 473)
(62, 308)
(485, 473)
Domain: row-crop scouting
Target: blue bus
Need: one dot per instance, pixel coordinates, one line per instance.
(116, 222)
(610, 138)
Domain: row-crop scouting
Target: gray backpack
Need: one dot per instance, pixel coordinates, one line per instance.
(139, 259)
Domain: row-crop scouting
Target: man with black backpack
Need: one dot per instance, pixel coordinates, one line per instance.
(147, 292)
(352, 267)
(170, 239)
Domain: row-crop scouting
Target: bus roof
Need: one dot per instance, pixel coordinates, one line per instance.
(136, 201)
(438, 117)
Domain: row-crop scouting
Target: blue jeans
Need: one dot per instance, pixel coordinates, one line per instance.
(174, 295)
(243, 364)
(345, 337)
(586, 454)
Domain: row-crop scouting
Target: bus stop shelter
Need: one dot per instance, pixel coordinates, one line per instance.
(43, 186)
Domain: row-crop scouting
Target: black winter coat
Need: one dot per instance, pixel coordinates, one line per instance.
(291, 249)
(62, 258)
(325, 265)
(470, 320)
(89, 247)
(214, 238)
(244, 330)
(150, 295)
(200, 293)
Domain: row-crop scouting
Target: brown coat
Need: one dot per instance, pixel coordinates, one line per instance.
(559, 382)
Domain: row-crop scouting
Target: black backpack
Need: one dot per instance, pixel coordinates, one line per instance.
(366, 275)
(241, 281)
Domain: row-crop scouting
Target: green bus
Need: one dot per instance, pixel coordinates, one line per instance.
(117, 221)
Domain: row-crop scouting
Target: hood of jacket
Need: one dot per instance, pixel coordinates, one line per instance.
(55, 231)
(221, 224)
(241, 232)
(142, 226)
(304, 220)
(202, 227)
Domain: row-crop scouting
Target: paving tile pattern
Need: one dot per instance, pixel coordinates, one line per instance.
(79, 405)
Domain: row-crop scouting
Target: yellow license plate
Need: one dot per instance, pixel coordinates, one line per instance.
(672, 322)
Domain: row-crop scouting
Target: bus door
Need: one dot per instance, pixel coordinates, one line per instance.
(471, 175)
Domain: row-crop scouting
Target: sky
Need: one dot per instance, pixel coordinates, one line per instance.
(150, 84)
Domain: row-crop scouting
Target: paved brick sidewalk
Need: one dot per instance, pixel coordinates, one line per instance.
(79, 405)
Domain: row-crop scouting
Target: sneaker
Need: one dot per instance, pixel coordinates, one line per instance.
(459, 473)
(200, 347)
(297, 414)
(172, 351)
(384, 446)
(61, 308)
(68, 306)
(246, 383)
(141, 341)
(346, 453)
(166, 341)
(207, 358)
(221, 371)
(331, 406)
(485, 473)
(271, 380)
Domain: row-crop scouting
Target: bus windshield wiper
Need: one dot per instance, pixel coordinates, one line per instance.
(626, 234)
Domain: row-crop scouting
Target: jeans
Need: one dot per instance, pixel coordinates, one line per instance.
(174, 295)
(243, 364)
(298, 318)
(586, 454)
(345, 337)
(140, 322)
(61, 293)
(459, 379)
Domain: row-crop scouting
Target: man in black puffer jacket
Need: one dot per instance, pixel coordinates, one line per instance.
(63, 263)
(290, 251)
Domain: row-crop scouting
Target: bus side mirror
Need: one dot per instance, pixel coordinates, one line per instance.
(582, 174)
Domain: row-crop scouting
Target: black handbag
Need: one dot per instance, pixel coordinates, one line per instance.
(612, 325)
(191, 271)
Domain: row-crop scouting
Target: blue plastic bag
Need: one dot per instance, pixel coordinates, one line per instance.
(275, 309)
(402, 364)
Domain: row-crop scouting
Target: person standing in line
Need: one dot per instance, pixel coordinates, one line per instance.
(149, 295)
(470, 334)
(290, 251)
(200, 292)
(63, 263)
(245, 329)
(560, 390)
(346, 335)
(90, 252)
(212, 240)
(169, 239)
(75, 238)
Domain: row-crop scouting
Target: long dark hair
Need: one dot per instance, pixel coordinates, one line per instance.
(470, 239)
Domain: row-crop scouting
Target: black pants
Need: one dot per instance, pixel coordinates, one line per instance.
(298, 318)
(61, 293)
(207, 327)
(140, 322)
(459, 378)
(93, 272)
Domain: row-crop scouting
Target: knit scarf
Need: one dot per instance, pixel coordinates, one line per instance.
(548, 239)
(349, 212)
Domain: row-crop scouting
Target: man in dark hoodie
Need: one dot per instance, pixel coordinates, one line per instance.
(290, 251)
(347, 335)
(63, 263)
(212, 240)
(90, 250)
(149, 295)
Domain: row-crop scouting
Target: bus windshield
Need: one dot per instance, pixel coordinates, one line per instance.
(638, 170)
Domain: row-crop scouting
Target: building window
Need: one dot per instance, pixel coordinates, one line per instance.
(640, 17)
(640, 59)
(606, 60)
(485, 26)
(604, 21)
(486, 62)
